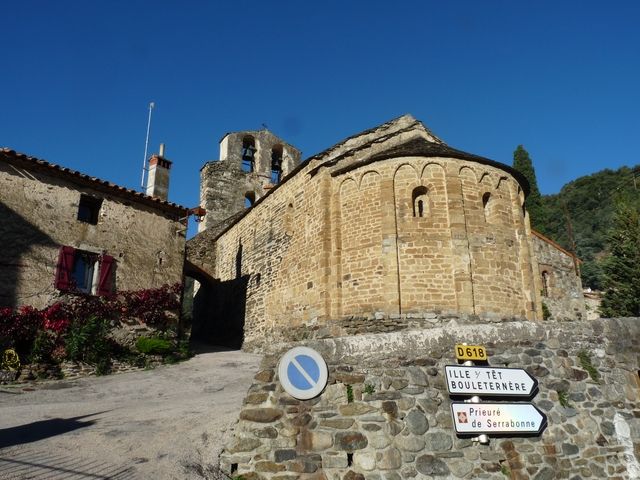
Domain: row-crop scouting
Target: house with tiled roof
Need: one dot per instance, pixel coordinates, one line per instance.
(63, 231)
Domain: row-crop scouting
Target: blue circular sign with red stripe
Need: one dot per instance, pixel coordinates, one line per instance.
(303, 373)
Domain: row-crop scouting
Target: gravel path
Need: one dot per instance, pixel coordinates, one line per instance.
(166, 423)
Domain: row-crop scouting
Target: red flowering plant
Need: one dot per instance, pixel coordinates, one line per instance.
(47, 329)
(18, 328)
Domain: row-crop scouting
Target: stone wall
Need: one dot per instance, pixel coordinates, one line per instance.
(224, 184)
(561, 284)
(398, 424)
(39, 209)
(369, 233)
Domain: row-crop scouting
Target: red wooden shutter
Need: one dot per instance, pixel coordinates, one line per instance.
(105, 275)
(64, 268)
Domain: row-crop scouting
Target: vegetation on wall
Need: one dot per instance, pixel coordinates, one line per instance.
(79, 329)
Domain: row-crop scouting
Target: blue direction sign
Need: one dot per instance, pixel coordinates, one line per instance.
(303, 373)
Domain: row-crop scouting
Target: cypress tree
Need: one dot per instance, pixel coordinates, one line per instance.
(622, 266)
(534, 204)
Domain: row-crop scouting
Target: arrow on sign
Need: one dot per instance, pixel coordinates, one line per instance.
(489, 381)
(497, 418)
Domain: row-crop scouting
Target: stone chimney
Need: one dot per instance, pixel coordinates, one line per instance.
(158, 177)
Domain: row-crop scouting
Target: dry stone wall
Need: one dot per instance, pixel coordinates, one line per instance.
(398, 422)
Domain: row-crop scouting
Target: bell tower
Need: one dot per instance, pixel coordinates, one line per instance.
(251, 163)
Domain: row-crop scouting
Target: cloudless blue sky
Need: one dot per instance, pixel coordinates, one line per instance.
(561, 78)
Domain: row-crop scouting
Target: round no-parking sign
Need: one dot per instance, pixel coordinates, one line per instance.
(303, 373)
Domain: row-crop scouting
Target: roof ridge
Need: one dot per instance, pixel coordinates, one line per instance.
(8, 153)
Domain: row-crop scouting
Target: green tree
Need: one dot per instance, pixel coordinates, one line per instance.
(534, 204)
(622, 266)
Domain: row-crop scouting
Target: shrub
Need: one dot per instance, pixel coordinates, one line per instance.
(18, 328)
(43, 346)
(78, 327)
(154, 346)
(546, 313)
(87, 341)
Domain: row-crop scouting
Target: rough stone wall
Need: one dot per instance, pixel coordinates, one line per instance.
(399, 423)
(223, 184)
(333, 246)
(563, 294)
(39, 214)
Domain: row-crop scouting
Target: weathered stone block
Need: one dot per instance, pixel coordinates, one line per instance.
(430, 465)
(350, 441)
(261, 415)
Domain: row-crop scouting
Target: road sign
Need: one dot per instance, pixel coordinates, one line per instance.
(303, 373)
(471, 352)
(478, 418)
(489, 381)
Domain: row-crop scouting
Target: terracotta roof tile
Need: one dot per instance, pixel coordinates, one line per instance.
(9, 155)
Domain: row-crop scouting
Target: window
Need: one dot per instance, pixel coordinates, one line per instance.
(545, 283)
(485, 205)
(276, 164)
(86, 272)
(249, 199)
(248, 154)
(420, 202)
(89, 209)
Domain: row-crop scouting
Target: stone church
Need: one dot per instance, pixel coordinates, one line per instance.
(389, 229)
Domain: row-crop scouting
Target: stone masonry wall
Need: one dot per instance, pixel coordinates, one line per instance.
(563, 294)
(335, 246)
(224, 184)
(39, 214)
(398, 424)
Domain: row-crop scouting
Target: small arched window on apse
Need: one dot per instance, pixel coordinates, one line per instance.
(248, 154)
(420, 201)
(249, 199)
(486, 199)
(545, 283)
(288, 220)
(276, 164)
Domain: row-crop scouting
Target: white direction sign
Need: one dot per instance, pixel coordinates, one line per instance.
(303, 373)
(489, 381)
(497, 418)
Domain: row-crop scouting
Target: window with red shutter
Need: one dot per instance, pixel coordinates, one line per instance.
(64, 268)
(105, 275)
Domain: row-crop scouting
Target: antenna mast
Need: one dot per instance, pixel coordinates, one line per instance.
(146, 145)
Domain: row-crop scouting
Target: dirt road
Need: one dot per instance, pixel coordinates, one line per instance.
(166, 423)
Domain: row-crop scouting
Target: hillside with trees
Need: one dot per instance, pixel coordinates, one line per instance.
(588, 207)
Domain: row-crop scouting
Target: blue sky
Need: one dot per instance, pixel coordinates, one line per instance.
(561, 78)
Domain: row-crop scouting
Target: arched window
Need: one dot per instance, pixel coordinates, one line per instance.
(248, 154)
(276, 164)
(288, 220)
(420, 202)
(249, 199)
(545, 283)
(485, 205)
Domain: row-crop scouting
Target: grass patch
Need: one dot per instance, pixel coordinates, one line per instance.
(369, 389)
(154, 346)
(585, 362)
(563, 398)
(349, 394)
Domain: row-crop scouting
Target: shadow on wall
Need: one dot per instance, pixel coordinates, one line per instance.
(17, 236)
